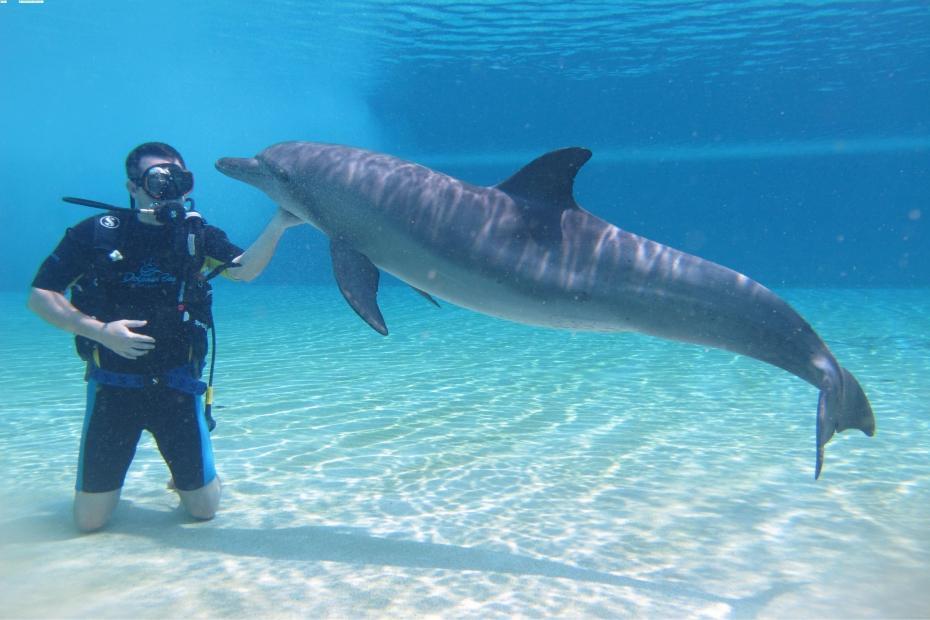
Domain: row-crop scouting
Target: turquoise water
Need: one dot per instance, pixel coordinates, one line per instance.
(468, 467)
(787, 140)
(463, 466)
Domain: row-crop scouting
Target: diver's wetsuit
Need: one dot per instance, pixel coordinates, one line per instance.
(140, 281)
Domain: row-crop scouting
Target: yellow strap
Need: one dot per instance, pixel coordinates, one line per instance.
(211, 263)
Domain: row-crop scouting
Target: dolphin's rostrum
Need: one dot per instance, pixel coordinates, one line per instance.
(525, 251)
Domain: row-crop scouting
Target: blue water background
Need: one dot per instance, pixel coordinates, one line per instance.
(788, 141)
(466, 466)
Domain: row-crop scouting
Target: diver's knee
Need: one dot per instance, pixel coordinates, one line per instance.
(202, 513)
(92, 510)
(203, 503)
(203, 507)
(88, 523)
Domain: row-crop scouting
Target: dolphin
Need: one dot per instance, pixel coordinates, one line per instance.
(525, 251)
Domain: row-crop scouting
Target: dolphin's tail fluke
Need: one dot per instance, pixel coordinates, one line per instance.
(842, 405)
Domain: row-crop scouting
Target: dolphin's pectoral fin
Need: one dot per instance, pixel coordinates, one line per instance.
(544, 188)
(358, 278)
(428, 297)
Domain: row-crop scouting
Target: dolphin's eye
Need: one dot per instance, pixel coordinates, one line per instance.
(278, 172)
(281, 174)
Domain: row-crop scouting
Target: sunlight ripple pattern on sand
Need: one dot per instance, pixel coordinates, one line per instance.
(469, 467)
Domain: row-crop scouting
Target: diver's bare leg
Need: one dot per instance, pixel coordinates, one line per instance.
(93, 510)
(202, 503)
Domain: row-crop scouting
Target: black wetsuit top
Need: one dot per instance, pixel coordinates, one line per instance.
(142, 284)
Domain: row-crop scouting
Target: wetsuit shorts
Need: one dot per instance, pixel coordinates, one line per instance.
(113, 424)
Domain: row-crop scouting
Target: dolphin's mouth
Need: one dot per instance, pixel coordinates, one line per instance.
(247, 169)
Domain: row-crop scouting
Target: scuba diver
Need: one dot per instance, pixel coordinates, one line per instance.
(140, 308)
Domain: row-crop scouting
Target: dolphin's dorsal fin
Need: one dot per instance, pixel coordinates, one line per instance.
(358, 278)
(544, 190)
(548, 181)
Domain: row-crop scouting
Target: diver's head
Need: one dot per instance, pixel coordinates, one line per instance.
(158, 180)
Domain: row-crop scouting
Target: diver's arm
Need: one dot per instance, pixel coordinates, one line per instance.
(115, 335)
(57, 310)
(254, 260)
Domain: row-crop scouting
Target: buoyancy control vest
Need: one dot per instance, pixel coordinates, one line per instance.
(152, 274)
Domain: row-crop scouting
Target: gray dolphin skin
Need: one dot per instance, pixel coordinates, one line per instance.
(523, 250)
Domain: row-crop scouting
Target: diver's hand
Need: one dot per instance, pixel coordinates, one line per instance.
(119, 338)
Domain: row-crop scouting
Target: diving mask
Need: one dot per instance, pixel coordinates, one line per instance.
(166, 182)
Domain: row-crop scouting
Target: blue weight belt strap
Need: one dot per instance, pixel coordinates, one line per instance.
(179, 379)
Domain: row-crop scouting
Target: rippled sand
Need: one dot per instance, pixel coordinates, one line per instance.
(469, 467)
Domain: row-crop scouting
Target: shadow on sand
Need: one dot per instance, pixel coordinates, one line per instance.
(346, 545)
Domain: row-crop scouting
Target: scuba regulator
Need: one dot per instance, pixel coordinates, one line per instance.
(167, 184)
